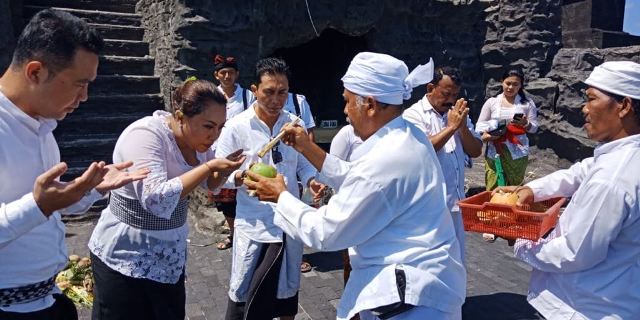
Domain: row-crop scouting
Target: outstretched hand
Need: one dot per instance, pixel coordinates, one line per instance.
(225, 166)
(267, 189)
(51, 195)
(525, 194)
(116, 176)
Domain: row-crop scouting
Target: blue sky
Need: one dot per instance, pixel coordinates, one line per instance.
(632, 17)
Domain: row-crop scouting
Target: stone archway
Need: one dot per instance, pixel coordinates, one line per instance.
(317, 67)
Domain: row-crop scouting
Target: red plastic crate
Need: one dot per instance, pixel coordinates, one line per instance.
(505, 221)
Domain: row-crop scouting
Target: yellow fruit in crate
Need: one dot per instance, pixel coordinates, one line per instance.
(508, 198)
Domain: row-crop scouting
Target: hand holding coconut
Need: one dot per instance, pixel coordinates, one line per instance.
(265, 183)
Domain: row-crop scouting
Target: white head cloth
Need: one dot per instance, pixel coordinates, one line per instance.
(384, 77)
(617, 77)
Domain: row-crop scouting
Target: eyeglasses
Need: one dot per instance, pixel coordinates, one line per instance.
(276, 155)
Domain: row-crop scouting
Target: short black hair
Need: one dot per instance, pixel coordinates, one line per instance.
(53, 37)
(515, 72)
(451, 72)
(635, 103)
(271, 66)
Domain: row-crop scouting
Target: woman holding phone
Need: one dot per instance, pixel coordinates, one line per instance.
(518, 116)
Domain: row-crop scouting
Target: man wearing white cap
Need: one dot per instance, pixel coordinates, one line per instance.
(589, 266)
(390, 206)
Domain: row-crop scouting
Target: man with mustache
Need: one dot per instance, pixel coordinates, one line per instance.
(444, 120)
(389, 208)
(588, 267)
(265, 275)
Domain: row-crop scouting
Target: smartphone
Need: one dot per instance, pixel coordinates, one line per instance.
(518, 116)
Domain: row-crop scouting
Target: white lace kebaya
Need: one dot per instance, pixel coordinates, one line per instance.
(158, 255)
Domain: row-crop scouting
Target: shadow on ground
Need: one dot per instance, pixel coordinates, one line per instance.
(499, 306)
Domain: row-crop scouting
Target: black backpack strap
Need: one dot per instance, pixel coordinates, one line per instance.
(244, 98)
(296, 103)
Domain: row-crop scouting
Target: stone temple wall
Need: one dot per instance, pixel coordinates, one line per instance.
(188, 33)
(482, 38)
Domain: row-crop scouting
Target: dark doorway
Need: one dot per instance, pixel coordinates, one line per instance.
(317, 67)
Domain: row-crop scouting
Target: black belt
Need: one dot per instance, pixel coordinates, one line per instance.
(28, 293)
(131, 212)
(394, 309)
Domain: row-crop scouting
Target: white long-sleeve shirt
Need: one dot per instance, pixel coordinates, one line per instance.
(344, 142)
(247, 132)
(390, 207)
(32, 247)
(158, 255)
(451, 156)
(493, 110)
(589, 267)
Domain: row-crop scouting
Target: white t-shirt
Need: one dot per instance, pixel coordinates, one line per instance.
(235, 103)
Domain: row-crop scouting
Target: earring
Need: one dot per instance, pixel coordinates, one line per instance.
(179, 114)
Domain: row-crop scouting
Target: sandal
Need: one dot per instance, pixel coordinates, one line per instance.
(305, 267)
(225, 244)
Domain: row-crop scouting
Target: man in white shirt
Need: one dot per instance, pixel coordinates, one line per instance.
(265, 275)
(227, 73)
(588, 267)
(443, 118)
(55, 59)
(390, 206)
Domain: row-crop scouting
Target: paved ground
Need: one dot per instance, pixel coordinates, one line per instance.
(496, 282)
(496, 285)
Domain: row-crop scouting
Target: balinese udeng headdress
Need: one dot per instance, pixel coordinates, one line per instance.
(222, 62)
(617, 77)
(384, 77)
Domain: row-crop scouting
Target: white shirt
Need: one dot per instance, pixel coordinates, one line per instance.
(157, 255)
(451, 156)
(305, 110)
(589, 267)
(493, 110)
(32, 247)
(344, 142)
(391, 209)
(235, 103)
(247, 132)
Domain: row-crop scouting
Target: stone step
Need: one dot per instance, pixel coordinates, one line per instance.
(124, 84)
(86, 147)
(126, 6)
(98, 105)
(119, 32)
(126, 65)
(106, 123)
(92, 16)
(129, 48)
